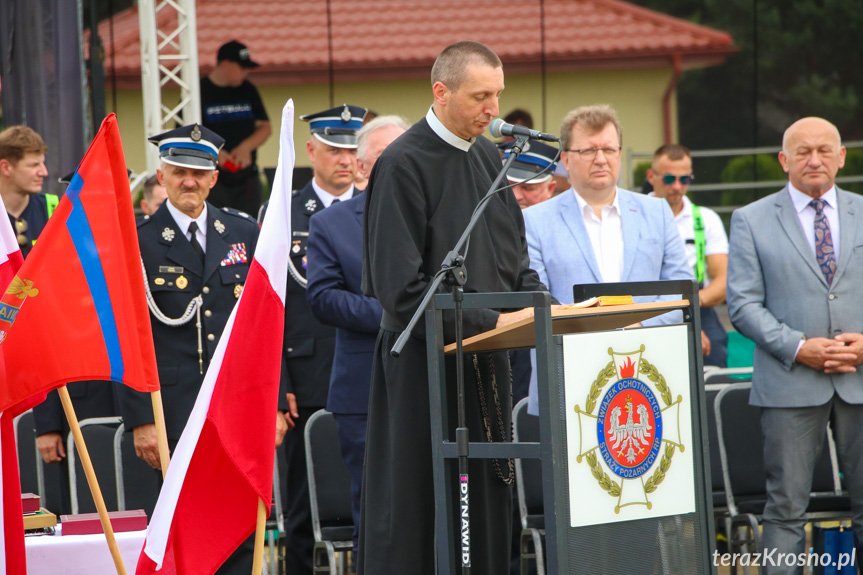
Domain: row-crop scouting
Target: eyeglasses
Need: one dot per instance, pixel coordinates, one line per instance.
(669, 179)
(590, 153)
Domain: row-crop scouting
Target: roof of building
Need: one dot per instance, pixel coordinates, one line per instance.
(376, 39)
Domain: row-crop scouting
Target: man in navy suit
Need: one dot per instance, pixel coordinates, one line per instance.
(334, 293)
(308, 344)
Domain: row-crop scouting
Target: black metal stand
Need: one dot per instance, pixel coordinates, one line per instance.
(453, 271)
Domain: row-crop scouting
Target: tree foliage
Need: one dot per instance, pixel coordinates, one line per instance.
(796, 59)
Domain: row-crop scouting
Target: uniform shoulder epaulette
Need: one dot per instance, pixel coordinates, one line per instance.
(142, 220)
(239, 214)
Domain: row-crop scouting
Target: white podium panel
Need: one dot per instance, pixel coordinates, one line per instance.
(628, 425)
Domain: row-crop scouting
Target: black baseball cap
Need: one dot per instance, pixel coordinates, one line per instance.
(234, 51)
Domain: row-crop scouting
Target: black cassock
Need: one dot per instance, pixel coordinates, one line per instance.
(421, 196)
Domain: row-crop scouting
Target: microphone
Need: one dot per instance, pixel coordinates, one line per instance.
(499, 128)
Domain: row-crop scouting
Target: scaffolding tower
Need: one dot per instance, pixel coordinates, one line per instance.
(169, 58)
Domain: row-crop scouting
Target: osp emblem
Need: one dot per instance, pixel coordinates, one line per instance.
(637, 429)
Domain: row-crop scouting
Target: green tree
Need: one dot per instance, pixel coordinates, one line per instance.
(796, 59)
(760, 168)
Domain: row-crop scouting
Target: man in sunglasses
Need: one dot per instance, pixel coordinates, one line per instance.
(596, 232)
(704, 239)
(22, 171)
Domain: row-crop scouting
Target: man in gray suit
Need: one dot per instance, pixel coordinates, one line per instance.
(794, 277)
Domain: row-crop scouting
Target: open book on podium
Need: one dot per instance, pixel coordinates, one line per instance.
(574, 318)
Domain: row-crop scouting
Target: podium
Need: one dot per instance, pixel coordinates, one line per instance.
(623, 439)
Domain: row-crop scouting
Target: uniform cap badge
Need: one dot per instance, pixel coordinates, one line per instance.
(346, 114)
(196, 133)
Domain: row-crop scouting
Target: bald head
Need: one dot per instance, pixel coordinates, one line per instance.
(812, 154)
(807, 125)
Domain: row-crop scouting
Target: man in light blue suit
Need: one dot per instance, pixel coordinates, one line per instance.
(596, 232)
(794, 277)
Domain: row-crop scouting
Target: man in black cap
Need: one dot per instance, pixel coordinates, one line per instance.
(231, 106)
(309, 344)
(196, 258)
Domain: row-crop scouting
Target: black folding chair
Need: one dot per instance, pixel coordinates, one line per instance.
(28, 456)
(727, 374)
(741, 452)
(98, 433)
(528, 481)
(330, 494)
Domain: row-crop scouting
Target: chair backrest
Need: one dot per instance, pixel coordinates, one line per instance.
(98, 433)
(28, 455)
(329, 477)
(717, 483)
(727, 375)
(528, 472)
(139, 485)
(742, 452)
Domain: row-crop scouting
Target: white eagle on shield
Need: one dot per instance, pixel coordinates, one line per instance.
(630, 436)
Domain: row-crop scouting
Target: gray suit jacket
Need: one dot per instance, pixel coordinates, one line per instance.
(777, 294)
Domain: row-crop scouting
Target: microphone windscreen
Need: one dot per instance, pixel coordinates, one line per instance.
(495, 128)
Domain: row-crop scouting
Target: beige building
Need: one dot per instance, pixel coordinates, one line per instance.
(595, 51)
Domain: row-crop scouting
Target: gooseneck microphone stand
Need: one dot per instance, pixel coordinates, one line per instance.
(453, 271)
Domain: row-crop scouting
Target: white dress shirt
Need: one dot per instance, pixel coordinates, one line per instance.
(183, 222)
(715, 238)
(327, 198)
(606, 237)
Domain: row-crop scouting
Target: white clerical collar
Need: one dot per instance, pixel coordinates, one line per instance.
(183, 220)
(447, 136)
(327, 198)
(801, 201)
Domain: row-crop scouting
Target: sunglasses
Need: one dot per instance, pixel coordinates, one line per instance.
(669, 179)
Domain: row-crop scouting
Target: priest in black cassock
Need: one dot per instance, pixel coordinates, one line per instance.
(421, 194)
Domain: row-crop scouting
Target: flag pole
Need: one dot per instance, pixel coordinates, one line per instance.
(260, 532)
(91, 479)
(161, 431)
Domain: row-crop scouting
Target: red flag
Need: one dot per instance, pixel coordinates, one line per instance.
(76, 309)
(224, 461)
(13, 558)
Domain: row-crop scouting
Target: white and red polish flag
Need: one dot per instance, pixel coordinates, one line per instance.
(12, 555)
(224, 461)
